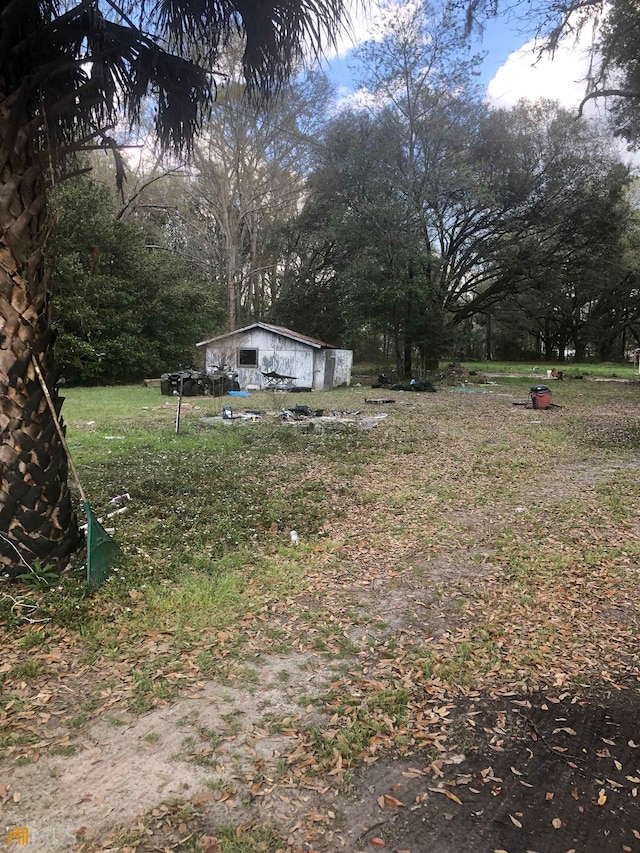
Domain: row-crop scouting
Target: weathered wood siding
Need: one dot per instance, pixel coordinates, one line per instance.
(343, 365)
(319, 368)
(276, 354)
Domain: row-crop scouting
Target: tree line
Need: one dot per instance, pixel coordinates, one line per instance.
(415, 225)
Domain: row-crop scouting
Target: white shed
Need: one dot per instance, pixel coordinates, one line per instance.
(267, 356)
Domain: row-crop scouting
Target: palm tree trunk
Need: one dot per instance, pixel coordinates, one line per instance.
(37, 522)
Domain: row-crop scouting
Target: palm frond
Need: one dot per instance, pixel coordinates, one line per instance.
(74, 69)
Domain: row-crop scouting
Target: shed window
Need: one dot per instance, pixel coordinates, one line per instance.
(248, 358)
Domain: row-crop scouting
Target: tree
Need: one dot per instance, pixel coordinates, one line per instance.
(69, 72)
(520, 210)
(122, 310)
(566, 218)
(613, 32)
(250, 165)
(589, 307)
(402, 184)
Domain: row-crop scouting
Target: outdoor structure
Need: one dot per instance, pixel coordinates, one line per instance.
(266, 356)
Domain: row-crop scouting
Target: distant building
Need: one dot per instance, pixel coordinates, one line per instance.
(266, 356)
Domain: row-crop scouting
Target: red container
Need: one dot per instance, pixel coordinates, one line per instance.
(540, 397)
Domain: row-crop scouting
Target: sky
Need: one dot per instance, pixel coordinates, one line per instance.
(511, 70)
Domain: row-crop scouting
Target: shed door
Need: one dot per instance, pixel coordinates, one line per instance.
(329, 373)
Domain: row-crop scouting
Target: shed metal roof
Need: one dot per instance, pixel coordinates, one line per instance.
(278, 330)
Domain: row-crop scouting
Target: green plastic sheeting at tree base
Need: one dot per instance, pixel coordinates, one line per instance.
(103, 554)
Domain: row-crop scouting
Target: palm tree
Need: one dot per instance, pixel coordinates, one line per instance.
(70, 71)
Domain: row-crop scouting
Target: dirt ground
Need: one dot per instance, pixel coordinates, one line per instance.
(544, 773)
(480, 769)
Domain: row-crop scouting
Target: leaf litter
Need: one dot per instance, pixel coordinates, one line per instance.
(444, 649)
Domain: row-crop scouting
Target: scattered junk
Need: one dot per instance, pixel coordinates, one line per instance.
(295, 539)
(193, 383)
(378, 402)
(120, 498)
(280, 382)
(414, 385)
(392, 383)
(303, 417)
(306, 412)
(318, 422)
(384, 381)
(555, 374)
(539, 398)
(229, 415)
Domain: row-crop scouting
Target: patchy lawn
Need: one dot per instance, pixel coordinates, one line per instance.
(448, 660)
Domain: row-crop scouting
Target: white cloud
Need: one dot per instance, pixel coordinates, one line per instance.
(559, 77)
(526, 74)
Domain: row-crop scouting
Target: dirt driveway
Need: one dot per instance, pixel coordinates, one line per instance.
(460, 672)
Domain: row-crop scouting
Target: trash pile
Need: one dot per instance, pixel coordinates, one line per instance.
(310, 420)
(194, 383)
(298, 412)
(317, 421)
(414, 385)
(392, 383)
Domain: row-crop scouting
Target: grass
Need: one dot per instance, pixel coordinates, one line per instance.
(211, 508)
(180, 825)
(534, 367)
(531, 514)
(570, 369)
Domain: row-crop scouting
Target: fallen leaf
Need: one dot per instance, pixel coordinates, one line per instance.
(515, 821)
(377, 842)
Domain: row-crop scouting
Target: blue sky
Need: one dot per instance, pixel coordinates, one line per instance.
(509, 71)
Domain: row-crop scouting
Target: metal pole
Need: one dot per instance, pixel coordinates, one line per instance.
(179, 405)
